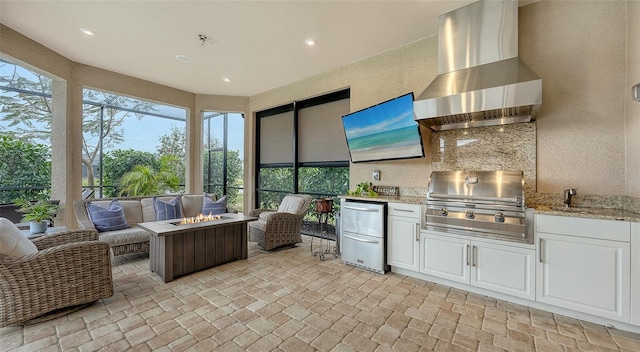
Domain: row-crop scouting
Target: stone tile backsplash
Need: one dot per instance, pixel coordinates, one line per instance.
(508, 147)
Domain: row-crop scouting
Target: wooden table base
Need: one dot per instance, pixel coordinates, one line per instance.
(193, 249)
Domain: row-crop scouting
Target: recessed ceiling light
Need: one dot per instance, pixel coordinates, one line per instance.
(310, 42)
(183, 58)
(226, 79)
(87, 31)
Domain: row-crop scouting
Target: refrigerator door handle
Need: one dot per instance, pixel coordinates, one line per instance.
(360, 240)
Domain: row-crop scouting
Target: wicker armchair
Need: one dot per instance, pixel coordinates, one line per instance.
(70, 268)
(277, 228)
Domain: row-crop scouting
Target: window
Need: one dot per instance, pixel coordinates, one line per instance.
(25, 133)
(302, 149)
(224, 156)
(132, 146)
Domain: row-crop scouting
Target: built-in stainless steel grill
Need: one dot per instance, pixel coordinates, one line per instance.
(477, 203)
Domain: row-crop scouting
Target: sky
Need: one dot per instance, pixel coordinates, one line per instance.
(144, 134)
(389, 115)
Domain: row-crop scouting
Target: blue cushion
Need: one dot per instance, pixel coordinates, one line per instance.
(167, 210)
(214, 207)
(110, 218)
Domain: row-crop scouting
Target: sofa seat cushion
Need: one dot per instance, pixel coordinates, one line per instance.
(13, 243)
(107, 218)
(125, 236)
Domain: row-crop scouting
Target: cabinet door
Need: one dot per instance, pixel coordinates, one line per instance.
(403, 242)
(635, 273)
(505, 269)
(445, 257)
(584, 274)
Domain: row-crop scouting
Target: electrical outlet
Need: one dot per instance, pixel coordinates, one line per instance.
(376, 175)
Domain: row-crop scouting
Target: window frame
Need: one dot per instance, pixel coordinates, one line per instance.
(296, 165)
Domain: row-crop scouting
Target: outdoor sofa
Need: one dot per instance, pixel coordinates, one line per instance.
(130, 238)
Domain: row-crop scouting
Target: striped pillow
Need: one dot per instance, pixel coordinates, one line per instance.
(214, 207)
(110, 218)
(167, 210)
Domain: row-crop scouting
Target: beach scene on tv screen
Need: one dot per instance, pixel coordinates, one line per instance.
(384, 131)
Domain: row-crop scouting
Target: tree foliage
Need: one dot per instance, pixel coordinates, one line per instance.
(27, 115)
(328, 180)
(235, 172)
(318, 181)
(104, 122)
(118, 162)
(174, 143)
(25, 170)
(144, 180)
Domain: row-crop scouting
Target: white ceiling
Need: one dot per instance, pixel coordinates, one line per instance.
(258, 45)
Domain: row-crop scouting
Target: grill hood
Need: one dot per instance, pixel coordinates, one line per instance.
(481, 81)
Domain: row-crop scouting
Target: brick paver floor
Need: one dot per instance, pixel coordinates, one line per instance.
(291, 301)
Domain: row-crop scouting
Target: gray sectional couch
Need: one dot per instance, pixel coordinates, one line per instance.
(136, 210)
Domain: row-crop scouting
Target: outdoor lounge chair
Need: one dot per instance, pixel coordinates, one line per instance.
(68, 269)
(277, 228)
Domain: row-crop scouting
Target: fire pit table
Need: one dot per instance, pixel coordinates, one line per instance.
(177, 249)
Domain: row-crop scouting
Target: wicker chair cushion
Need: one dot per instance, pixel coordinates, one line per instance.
(291, 205)
(259, 225)
(12, 242)
(265, 215)
(214, 207)
(107, 219)
(166, 210)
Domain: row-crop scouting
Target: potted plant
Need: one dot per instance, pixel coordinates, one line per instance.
(37, 213)
(364, 189)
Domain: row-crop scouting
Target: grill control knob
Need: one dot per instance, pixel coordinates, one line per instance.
(499, 217)
(469, 214)
(444, 212)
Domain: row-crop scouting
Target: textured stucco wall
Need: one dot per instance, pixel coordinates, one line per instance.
(587, 129)
(373, 80)
(633, 108)
(578, 48)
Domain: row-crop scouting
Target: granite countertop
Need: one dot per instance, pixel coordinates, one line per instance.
(592, 213)
(578, 212)
(387, 199)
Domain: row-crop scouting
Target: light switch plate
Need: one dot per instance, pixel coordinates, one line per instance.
(635, 93)
(376, 175)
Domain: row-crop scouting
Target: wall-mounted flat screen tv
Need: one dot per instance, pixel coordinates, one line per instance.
(384, 131)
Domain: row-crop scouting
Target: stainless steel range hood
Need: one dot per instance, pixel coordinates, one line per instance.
(481, 80)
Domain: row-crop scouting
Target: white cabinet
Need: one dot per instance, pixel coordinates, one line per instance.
(635, 273)
(497, 267)
(403, 228)
(445, 257)
(506, 269)
(584, 265)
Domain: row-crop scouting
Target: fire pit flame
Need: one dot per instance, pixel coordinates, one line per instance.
(199, 218)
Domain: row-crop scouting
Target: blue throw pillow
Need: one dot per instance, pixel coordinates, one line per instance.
(110, 218)
(167, 210)
(214, 207)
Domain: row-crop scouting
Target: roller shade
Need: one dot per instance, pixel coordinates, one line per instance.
(276, 138)
(321, 132)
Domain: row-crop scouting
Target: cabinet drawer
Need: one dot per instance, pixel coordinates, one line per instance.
(583, 227)
(405, 210)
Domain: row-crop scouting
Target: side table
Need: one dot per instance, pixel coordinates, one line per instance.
(50, 230)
